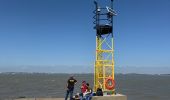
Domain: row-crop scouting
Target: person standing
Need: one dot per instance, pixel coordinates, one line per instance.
(70, 87)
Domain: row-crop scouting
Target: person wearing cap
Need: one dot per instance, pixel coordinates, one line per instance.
(70, 87)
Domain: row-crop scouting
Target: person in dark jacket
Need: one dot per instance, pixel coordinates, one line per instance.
(99, 92)
(70, 87)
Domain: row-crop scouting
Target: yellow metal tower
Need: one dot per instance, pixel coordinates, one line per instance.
(104, 62)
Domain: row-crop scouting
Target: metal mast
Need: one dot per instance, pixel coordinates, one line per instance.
(104, 62)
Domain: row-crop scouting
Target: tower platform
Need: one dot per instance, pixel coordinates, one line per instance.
(114, 97)
(104, 29)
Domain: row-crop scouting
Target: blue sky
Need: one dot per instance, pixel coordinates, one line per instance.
(60, 34)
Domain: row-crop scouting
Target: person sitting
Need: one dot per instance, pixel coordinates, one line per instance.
(76, 97)
(83, 89)
(88, 93)
(99, 92)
